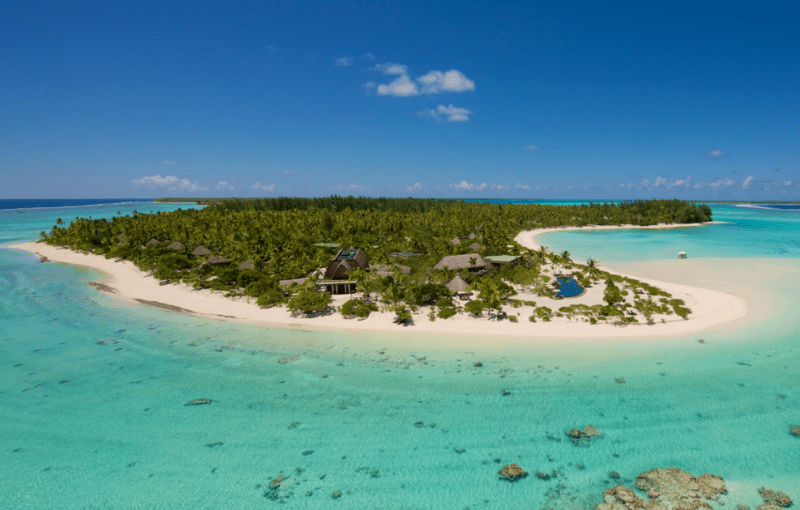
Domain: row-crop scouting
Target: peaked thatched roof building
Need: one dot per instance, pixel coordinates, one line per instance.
(458, 285)
(344, 261)
(175, 245)
(471, 235)
(152, 242)
(217, 259)
(455, 240)
(201, 251)
(475, 247)
(471, 261)
(247, 265)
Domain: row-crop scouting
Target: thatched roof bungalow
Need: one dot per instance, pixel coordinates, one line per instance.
(152, 242)
(458, 285)
(475, 247)
(344, 261)
(247, 265)
(175, 245)
(217, 259)
(471, 261)
(455, 240)
(201, 251)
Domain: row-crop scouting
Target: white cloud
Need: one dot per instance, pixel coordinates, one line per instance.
(401, 87)
(661, 181)
(169, 182)
(530, 147)
(263, 187)
(464, 185)
(414, 187)
(500, 187)
(716, 154)
(368, 56)
(722, 183)
(391, 68)
(435, 82)
(787, 183)
(522, 186)
(451, 81)
(353, 187)
(344, 61)
(451, 113)
(168, 162)
(224, 185)
(747, 182)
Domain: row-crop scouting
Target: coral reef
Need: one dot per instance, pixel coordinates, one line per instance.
(795, 431)
(581, 437)
(773, 498)
(512, 473)
(198, 402)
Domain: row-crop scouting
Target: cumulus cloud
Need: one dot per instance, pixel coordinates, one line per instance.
(464, 185)
(663, 182)
(224, 185)
(747, 182)
(529, 147)
(500, 187)
(263, 187)
(401, 87)
(722, 183)
(787, 183)
(344, 61)
(450, 113)
(522, 186)
(414, 187)
(716, 154)
(434, 82)
(168, 162)
(169, 182)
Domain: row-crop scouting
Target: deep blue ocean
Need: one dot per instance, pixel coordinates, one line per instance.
(92, 394)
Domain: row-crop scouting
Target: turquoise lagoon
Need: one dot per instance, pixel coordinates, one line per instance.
(92, 394)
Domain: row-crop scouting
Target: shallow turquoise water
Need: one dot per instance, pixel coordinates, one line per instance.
(92, 394)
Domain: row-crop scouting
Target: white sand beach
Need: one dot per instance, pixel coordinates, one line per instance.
(710, 306)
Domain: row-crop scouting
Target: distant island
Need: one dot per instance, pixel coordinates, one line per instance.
(397, 256)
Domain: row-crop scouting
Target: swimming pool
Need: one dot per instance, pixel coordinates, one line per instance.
(568, 287)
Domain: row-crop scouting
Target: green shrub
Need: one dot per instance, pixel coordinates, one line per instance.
(308, 301)
(270, 297)
(474, 307)
(445, 302)
(446, 313)
(358, 308)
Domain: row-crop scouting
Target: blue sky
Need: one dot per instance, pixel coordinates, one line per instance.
(563, 100)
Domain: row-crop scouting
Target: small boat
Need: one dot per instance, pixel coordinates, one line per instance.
(681, 254)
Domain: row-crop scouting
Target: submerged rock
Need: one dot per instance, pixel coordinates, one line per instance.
(795, 431)
(620, 498)
(512, 473)
(680, 488)
(198, 402)
(584, 436)
(775, 498)
(276, 482)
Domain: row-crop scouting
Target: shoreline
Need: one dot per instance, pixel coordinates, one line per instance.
(123, 280)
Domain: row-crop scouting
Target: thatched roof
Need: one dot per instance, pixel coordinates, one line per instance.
(247, 264)
(153, 242)
(475, 247)
(344, 261)
(463, 262)
(175, 245)
(200, 251)
(458, 284)
(471, 235)
(455, 240)
(386, 269)
(216, 259)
